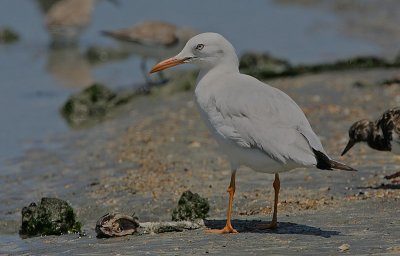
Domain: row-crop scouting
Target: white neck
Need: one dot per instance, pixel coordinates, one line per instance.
(228, 64)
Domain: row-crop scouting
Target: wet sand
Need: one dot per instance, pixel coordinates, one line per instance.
(145, 157)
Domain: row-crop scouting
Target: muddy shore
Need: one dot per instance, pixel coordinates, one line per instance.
(143, 158)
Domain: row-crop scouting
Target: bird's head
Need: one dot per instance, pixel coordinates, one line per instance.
(206, 50)
(358, 132)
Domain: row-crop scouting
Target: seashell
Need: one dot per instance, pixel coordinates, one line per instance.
(116, 225)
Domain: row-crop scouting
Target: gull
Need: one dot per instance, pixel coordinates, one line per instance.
(382, 134)
(152, 39)
(255, 125)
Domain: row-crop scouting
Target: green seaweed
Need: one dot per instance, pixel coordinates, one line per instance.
(52, 216)
(191, 206)
(93, 104)
(8, 36)
(385, 82)
(264, 66)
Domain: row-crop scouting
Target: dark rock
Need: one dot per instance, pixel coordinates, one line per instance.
(8, 36)
(396, 60)
(191, 206)
(360, 62)
(362, 84)
(51, 216)
(93, 104)
(99, 54)
(115, 225)
(390, 82)
(386, 82)
(264, 66)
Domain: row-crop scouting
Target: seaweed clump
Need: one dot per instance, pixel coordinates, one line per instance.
(93, 104)
(52, 216)
(387, 82)
(191, 206)
(8, 36)
(264, 66)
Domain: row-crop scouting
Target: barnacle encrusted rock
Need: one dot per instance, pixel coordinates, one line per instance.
(191, 206)
(52, 216)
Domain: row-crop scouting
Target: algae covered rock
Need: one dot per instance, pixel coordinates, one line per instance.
(191, 206)
(387, 82)
(358, 62)
(8, 36)
(263, 65)
(52, 216)
(93, 104)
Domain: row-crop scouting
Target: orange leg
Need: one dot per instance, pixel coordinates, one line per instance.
(228, 226)
(274, 222)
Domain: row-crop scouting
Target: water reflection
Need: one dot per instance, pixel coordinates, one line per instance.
(69, 67)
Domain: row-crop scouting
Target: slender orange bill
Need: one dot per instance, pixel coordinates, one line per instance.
(166, 64)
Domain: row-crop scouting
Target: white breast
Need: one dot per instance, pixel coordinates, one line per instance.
(395, 143)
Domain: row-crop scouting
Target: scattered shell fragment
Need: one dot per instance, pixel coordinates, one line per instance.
(117, 224)
(344, 247)
(170, 226)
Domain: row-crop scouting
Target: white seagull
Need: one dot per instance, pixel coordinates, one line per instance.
(256, 125)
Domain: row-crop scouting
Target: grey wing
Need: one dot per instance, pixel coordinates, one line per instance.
(265, 118)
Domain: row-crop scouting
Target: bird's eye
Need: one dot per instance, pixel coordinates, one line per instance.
(199, 47)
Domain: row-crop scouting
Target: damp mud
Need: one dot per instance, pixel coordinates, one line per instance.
(143, 159)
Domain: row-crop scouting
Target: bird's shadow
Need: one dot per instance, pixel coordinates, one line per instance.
(382, 186)
(251, 226)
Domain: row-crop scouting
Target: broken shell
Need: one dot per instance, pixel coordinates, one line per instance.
(115, 225)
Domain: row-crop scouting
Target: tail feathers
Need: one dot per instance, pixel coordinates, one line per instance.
(338, 165)
(325, 163)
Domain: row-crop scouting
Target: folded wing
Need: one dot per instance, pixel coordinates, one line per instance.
(265, 118)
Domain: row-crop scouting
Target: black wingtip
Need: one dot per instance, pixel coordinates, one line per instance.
(325, 163)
